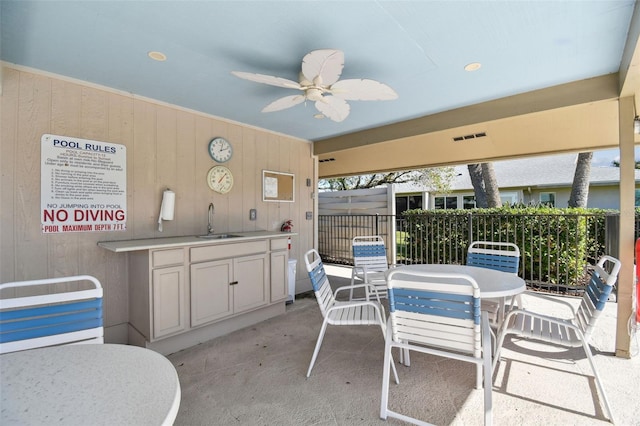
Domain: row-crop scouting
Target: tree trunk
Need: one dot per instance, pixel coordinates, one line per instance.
(491, 185)
(580, 187)
(475, 173)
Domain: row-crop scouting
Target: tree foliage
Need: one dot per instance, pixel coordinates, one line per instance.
(616, 163)
(437, 179)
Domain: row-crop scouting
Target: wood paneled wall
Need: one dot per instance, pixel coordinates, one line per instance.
(166, 148)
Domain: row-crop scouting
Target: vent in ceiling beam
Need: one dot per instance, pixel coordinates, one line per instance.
(471, 136)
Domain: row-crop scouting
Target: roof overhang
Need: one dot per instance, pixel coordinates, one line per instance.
(578, 116)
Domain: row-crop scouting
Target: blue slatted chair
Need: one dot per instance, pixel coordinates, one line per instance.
(438, 314)
(337, 312)
(498, 256)
(55, 318)
(369, 264)
(574, 332)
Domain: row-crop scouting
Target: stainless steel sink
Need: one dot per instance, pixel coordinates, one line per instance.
(218, 236)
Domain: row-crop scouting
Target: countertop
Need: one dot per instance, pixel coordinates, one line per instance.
(190, 240)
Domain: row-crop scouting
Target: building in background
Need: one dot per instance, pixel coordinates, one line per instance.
(530, 181)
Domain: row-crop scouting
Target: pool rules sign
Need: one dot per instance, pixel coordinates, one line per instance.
(83, 185)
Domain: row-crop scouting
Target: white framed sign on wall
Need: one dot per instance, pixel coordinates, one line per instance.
(83, 185)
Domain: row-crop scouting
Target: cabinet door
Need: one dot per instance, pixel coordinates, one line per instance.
(211, 294)
(279, 275)
(168, 293)
(250, 274)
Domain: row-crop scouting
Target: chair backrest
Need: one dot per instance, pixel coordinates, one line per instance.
(319, 281)
(435, 309)
(597, 293)
(499, 256)
(369, 252)
(50, 319)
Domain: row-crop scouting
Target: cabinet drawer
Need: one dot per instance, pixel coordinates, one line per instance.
(222, 251)
(279, 244)
(167, 257)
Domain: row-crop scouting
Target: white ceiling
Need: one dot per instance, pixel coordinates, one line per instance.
(419, 48)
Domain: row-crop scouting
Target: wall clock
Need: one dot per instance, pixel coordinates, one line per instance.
(220, 149)
(220, 179)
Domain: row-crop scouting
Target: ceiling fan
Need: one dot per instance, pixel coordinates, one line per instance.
(319, 83)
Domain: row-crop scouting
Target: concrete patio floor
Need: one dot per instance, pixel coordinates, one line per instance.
(256, 376)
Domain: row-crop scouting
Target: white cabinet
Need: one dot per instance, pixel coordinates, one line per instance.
(181, 296)
(211, 295)
(168, 294)
(279, 269)
(158, 292)
(226, 287)
(250, 283)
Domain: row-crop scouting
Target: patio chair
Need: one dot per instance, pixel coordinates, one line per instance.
(498, 256)
(438, 314)
(337, 312)
(54, 318)
(369, 264)
(574, 332)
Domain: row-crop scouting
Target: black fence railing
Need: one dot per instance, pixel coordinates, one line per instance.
(335, 233)
(555, 249)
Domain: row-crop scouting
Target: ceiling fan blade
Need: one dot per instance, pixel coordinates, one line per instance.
(267, 79)
(335, 108)
(284, 103)
(323, 67)
(363, 90)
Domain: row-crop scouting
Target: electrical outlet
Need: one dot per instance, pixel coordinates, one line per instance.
(253, 214)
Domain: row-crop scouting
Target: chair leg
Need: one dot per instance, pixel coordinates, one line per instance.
(488, 376)
(607, 407)
(317, 349)
(384, 400)
(407, 357)
(404, 357)
(501, 311)
(353, 277)
(498, 348)
(384, 336)
(494, 341)
(517, 299)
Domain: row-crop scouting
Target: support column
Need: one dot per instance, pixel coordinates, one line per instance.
(627, 224)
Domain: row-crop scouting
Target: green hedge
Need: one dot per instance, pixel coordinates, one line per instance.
(556, 245)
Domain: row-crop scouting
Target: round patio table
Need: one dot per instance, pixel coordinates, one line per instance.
(492, 284)
(88, 384)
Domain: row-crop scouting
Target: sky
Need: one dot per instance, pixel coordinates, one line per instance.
(607, 156)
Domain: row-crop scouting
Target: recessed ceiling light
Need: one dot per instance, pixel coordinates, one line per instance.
(157, 56)
(473, 66)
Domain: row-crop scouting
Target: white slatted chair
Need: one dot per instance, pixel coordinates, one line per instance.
(574, 332)
(337, 312)
(438, 314)
(369, 264)
(55, 318)
(498, 256)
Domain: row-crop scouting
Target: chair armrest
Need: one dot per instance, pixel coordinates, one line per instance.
(551, 319)
(376, 306)
(366, 270)
(551, 299)
(370, 288)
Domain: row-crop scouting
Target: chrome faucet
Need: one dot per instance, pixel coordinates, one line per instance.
(210, 219)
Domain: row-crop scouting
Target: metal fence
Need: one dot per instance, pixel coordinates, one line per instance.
(555, 248)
